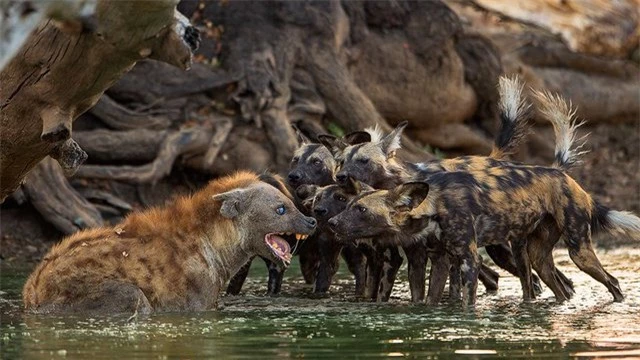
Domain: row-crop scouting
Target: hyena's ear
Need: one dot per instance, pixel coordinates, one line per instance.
(391, 142)
(231, 202)
(357, 137)
(332, 143)
(354, 187)
(408, 196)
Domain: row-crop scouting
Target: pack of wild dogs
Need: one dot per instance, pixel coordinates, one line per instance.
(349, 196)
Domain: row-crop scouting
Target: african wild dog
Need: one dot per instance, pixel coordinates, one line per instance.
(457, 212)
(369, 157)
(171, 258)
(324, 202)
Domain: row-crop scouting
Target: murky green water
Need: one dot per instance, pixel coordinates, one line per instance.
(296, 324)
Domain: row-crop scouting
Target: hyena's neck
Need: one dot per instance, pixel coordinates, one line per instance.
(223, 261)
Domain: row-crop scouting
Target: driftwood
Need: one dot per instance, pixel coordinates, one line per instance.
(60, 72)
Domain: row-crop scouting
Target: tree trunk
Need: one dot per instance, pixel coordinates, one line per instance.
(62, 69)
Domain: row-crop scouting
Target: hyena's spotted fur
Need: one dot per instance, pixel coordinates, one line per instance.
(171, 258)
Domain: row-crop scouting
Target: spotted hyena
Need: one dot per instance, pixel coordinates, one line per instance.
(172, 258)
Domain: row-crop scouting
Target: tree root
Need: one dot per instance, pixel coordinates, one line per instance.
(119, 117)
(50, 193)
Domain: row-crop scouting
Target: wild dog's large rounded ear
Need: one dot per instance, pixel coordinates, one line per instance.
(302, 138)
(408, 196)
(307, 191)
(391, 142)
(354, 187)
(332, 143)
(357, 137)
(231, 202)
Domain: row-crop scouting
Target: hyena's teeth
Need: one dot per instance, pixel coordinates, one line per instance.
(304, 237)
(289, 233)
(298, 236)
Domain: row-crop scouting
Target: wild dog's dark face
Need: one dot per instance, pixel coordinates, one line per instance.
(311, 164)
(378, 213)
(265, 214)
(364, 157)
(328, 201)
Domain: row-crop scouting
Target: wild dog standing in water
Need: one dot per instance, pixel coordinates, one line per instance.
(457, 212)
(172, 258)
(369, 157)
(313, 164)
(325, 202)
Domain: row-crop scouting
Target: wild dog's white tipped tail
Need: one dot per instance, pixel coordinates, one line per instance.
(624, 221)
(565, 125)
(514, 117)
(512, 104)
(375, 132)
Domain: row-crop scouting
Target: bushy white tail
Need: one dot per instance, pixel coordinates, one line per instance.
(514, 117)
(563, 118)
(624, 221)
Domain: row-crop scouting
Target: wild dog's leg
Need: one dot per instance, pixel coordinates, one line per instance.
(374, 270)
(328, 265)
(276, 273)
(440, 265)
(391, 265)
(578, 239)
(357, 263)
(454, 282)
(309, 259)
(417, 268)
(488, 277)
(523, 264)
(540, 248)
(236, 282)
(469, 269)
(503, 257)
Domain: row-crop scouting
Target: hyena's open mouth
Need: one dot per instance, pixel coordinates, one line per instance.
(280, 247)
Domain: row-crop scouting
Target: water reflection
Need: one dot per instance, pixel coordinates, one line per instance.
(298, 324)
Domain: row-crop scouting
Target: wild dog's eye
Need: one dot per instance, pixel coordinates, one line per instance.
(363, 160)
(317, 162)
(340, 198)
(281, 210)
(295, 159)
(361, 208)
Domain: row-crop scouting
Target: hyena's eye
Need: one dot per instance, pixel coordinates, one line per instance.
(363, 160)
(361, 208)
(281, 210)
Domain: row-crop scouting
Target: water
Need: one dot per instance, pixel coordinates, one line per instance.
(297, 324)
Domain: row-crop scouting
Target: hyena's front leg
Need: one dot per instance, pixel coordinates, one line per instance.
(236, 282)
(391, 265)
(417, 268)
